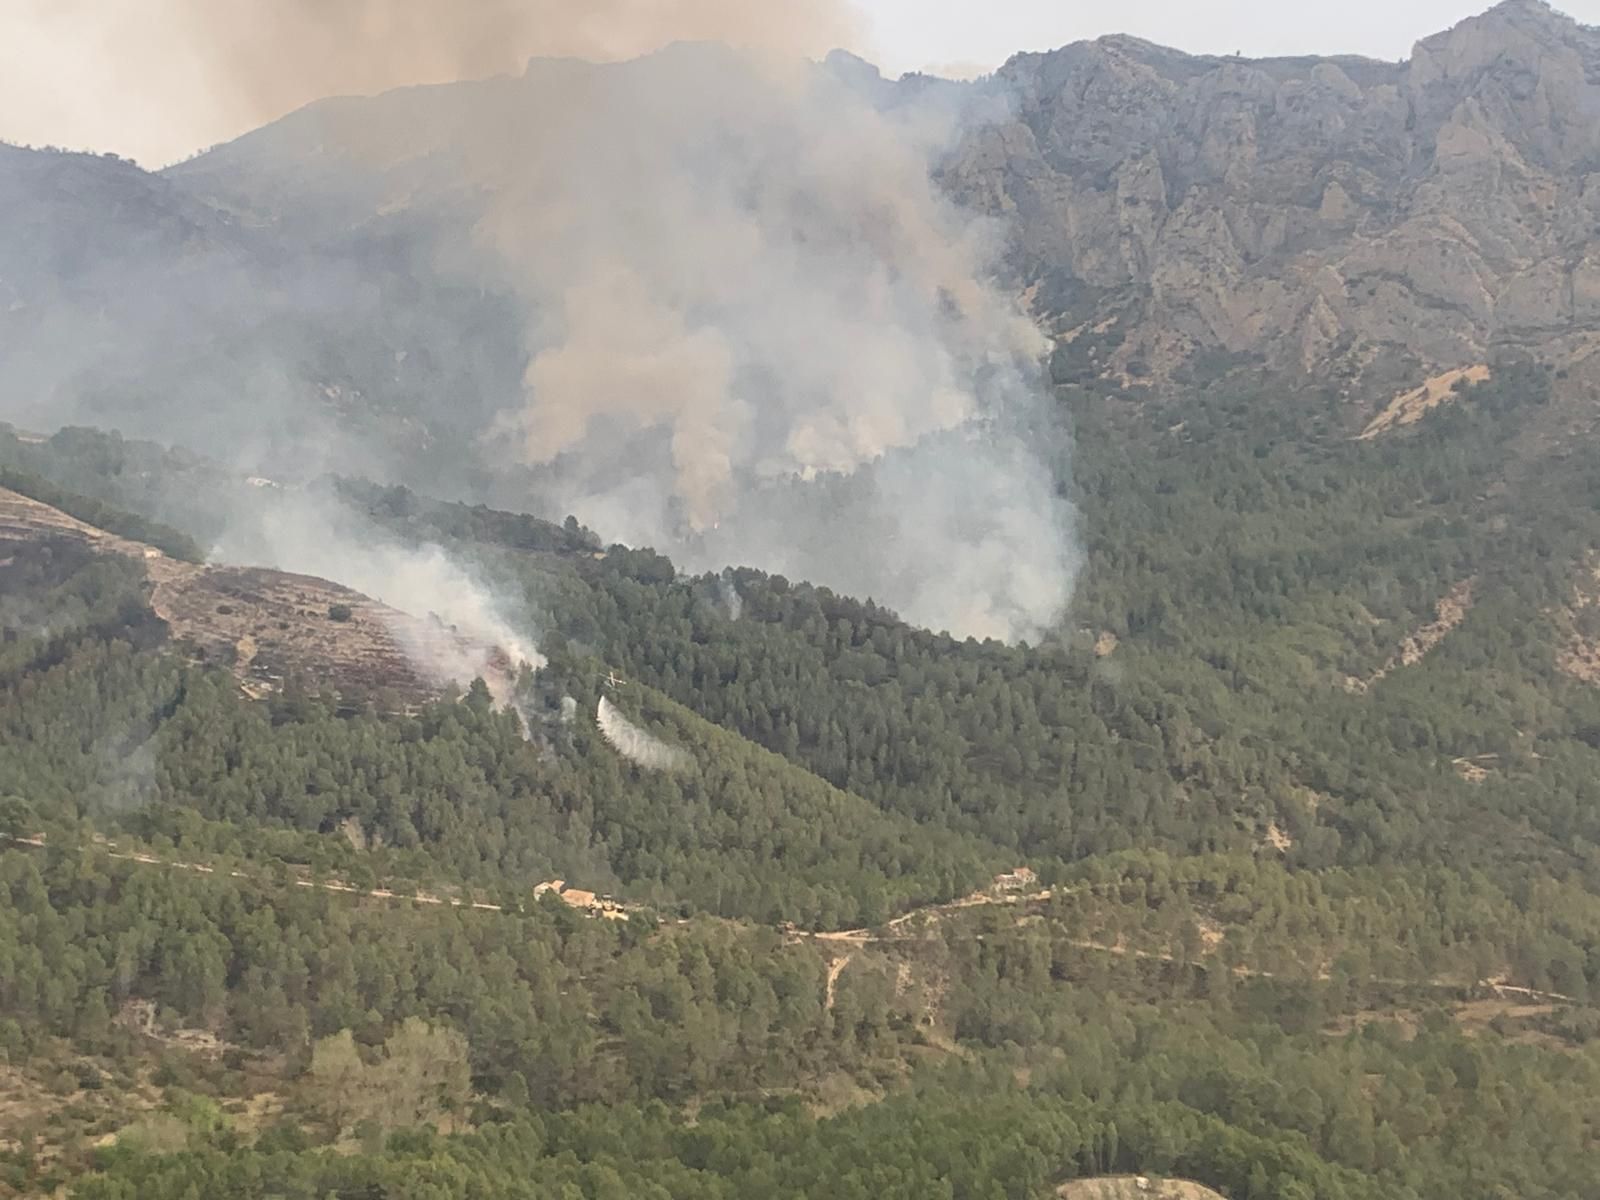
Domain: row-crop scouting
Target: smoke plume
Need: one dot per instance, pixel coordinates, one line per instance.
(162, 78)
(636, 745)
(742, 275)
(313, 534)
(709, 300)
(728, 593)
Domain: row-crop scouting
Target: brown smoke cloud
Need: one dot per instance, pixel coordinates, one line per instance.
(756, 332)
(278, 56)
(187, 74)
(741, 274)
(749, 257)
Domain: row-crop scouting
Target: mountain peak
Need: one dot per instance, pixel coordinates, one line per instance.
(1532, 19)
(1538, 10)
(1528, 33)
(1532, 15)
(853, 70)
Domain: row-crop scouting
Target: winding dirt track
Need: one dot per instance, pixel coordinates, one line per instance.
(891, 932)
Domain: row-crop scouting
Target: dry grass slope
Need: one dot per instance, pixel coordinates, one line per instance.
(1451, 610)
(1410, 407)
(1135, 1187)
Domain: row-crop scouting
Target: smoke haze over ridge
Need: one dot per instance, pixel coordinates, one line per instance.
(742, 275)
(199, 72)
(755, 333)
(319, 535)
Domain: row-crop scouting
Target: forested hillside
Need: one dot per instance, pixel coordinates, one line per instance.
(1306, 780)
(1234, 660)
(373, 829)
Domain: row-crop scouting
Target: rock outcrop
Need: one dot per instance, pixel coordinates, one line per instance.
(1313, 212)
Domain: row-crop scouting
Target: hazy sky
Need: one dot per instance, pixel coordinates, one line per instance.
(158, 79)
(983, 33)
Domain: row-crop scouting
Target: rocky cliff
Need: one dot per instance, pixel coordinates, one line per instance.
(1325, 214)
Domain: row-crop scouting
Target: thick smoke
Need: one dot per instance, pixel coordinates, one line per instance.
(185, 74)
(637, 745)
(742, 275)
(961, 532)
(753, 330)
(313, 534)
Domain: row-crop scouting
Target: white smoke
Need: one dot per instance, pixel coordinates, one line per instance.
(314, 535)
(742, 274)
(728, 592)
(634, 744)
(756, 331)
(962, 532)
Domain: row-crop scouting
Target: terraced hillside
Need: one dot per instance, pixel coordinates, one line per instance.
(268, 627)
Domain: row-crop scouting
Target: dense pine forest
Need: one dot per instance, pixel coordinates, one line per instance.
(1306, 782)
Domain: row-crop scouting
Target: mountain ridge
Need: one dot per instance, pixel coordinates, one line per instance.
(269, 628)
(1341, 216)
(1305, 214)
(1347, 223)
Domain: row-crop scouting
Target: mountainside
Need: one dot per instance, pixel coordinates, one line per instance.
(128, 301)
(1275, 871)
(1325, 215)
(1344, 217)
(368, 285)
(1261, 859)
(72, 213)
(1337, 216)
(267, 627)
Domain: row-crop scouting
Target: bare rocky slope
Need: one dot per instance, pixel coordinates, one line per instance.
(1316, 212)
(270, 627)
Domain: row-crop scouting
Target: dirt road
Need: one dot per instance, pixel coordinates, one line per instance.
(892, 931)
